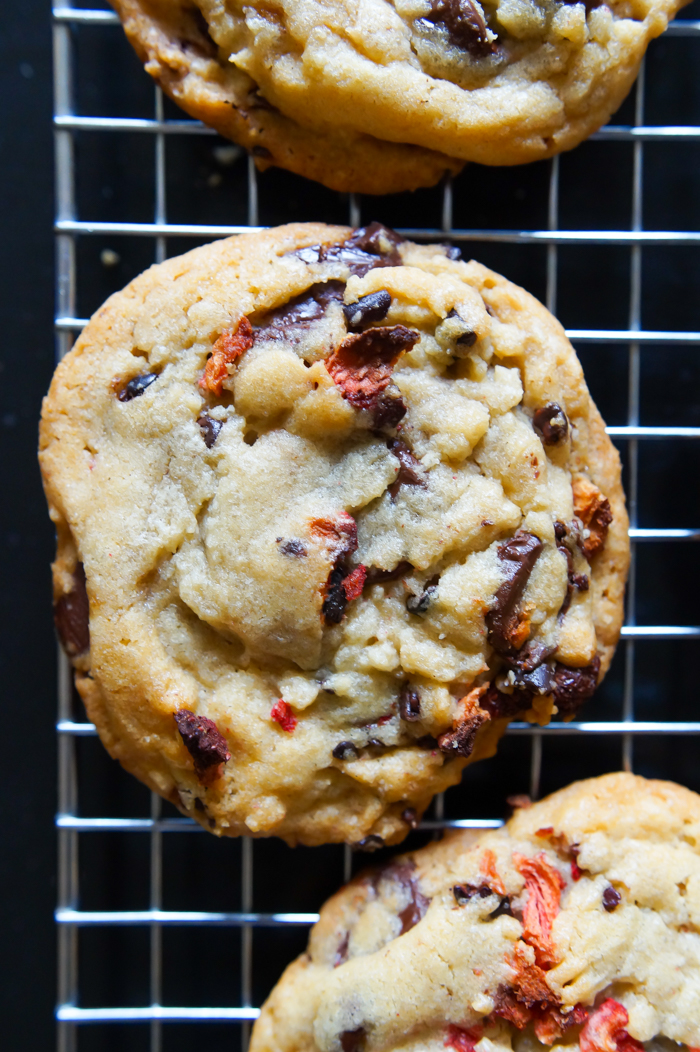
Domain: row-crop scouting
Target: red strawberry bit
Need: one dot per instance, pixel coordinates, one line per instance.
(605, 1030)
(576, 873)
(544, 884)
(281, 713)
(226, 351)
(487, 865)
(546, 832)
(463, 1040)
(553, 1023)
(354, 583)
(339, 534)
(362, 366)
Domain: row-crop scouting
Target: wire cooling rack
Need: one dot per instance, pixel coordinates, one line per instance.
(257, 941)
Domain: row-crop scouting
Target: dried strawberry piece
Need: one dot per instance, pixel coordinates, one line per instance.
(204, 742)
(593, 509)
(465, 726)
(226, 351)
(544, 884)
(362, 366)
(508, 1007)
(576, 872)
(553, 1022)
(339, 533)
(487, 865)
(354, 583)
(281, 712)
(71, 614)
(605, 1030)
(463, 1040)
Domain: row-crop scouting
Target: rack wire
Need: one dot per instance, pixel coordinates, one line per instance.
(70, 917)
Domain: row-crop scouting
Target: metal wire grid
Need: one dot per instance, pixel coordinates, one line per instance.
(68, 227)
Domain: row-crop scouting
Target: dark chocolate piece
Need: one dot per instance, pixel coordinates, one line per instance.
(335, 602)
(460, 740)
(203, 740)
(550, 423)
(519, 556)
(369, 843)
(409, 704)
(71, 614)
(410, 817)
(373, 307)
(418, 604)
(403, 873)
(210, 429)
(465, 25)
(375, 575)
(345, 751)
(408, 471)
(573, 686)
(611, 899)
(136, 386)
(352, 1040)
(464, 892)
(291, 319)
(293, 548)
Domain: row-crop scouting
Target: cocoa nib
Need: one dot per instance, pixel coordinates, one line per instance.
(408, 468)
(373, 307)
(573, 686)
(506, 630)
(340, 537)
(375, 575)
(291, 319)
(550, 423)
(203, 740)
(409, 704)
(293, 549)
(464, 892)
(71, 616)
(418, 604)
(136, 386)
(352, 1040)
(465, 25)
(362, 366)
(593, 509)
(210, 429)
(403, 873)
(334, 604)
(611, 899)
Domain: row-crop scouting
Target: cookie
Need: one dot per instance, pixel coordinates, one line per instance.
(340, 507)
(576, 925)
(382, 96)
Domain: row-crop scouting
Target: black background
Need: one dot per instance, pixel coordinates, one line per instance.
(115, 182)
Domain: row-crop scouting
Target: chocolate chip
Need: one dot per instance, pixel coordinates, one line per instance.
(409, 704)
(203, 740)
(465, 25)
(573, 686)
(199, 804)
(467, 339)
(262, 152)
(464, 892)
(560, 531)
(408, 468)
(519, 556)
(389, 410)
(503, 909)
(418, 604)
(295, 317)
(409, 816)
(504, 706)
(345, 751)
(403, 873)
(352, 1040)
(611, 899)
(375, 575)
(71, 616)
(335, 602)
(540, 680)
(210, 429)
(453, 252)
(550, 423)
(373, 307)
(378, 240)
(341, 954)
(136, 386)
(294, 549)
(369, 843)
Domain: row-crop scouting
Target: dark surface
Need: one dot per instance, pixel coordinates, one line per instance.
(115, 181)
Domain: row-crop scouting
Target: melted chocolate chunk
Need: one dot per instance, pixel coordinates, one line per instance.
(519, 555)
(345, 751)
(409, 816)
(293, 548)
(373, 307)
(408, 471)
(409, 704)
(504, 706)
(352, 1040)
(341, 954)
(210, 429)
(403, 873)
(551, 424)
(203, 740)
(369, 843)
(611, 899)
(136, 386)
(464, 892)
(335, 602)
(503, 909)
(366, 248)
(378, 240)
(71, 616)
(291, 319)
(540, 680)
(418, 604)
(375, 575)
(465, 25)
(389, 410)
(573, 686)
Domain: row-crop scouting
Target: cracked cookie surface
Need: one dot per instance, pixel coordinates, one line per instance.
(342, 508)
(381, 96)
(576, 926)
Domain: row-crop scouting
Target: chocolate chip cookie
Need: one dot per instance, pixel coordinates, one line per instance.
(577, 925)
(383, 96)
(338, 507)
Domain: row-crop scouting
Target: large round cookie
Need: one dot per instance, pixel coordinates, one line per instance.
(381, 96)
(344, 507)
(578, 925)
